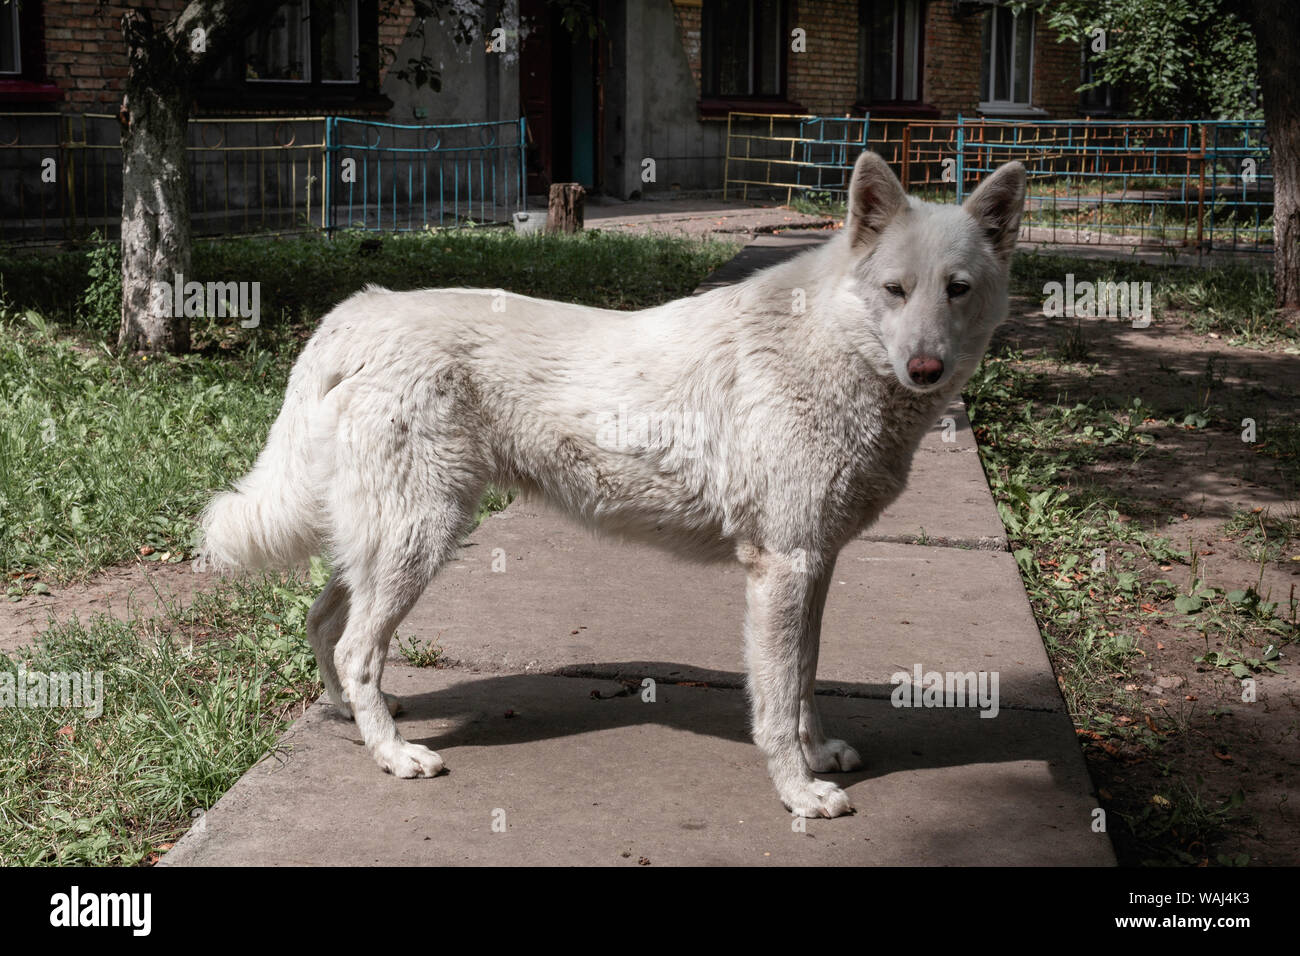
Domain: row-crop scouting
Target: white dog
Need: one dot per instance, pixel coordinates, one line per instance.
(808, 387)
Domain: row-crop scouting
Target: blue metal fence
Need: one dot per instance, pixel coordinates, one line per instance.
(258, 175)
(774, 153)
(1207, 184)
(392, 177)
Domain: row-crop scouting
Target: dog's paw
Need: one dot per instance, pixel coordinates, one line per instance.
(409, 760)
(832, 756)
(817, 798)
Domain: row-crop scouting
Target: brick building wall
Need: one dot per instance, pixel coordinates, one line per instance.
(824, 80)
(689, 15)
(1057, 73)
(86, 58)
(85, 55)
(951, 78)
(951, 81)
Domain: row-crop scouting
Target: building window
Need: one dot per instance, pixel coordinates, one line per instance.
(340, 44)
(1007, 62)
(889, 50)
(1104, 98)
(280, 49)
(11, 48)
(744, 48)
(305, 44)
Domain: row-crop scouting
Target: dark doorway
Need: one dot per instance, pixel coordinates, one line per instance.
(559, 77)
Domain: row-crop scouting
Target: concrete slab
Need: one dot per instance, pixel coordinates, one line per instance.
(947, 500)
(580, 781)
(761, 252)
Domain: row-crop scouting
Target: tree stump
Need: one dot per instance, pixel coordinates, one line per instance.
(565, 207)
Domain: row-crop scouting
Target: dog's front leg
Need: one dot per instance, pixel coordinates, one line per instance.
(778, 594)
(824, 754)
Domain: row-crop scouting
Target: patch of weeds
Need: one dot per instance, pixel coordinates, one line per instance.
(1266, 538)
(1179, 825)
(1072, 344)
(1089, 571)
(494, 500)
(814, 202)
(420, 653)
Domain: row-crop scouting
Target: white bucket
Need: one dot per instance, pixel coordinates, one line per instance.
(529, 222)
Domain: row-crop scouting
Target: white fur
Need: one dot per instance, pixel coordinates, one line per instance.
(403, 406)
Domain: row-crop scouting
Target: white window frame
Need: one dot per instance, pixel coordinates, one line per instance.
(18, 40)
(1009, 106)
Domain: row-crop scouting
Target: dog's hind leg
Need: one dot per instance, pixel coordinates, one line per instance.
(325, 622)
(391, 559)
(824, 754)
(778, 595)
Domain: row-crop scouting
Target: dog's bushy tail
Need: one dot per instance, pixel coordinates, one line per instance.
(271, 518)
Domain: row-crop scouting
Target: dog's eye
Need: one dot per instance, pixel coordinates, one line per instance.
(896, 290)
(957, 289)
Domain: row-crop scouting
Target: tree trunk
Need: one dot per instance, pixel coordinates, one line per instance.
(155, 188)
(163, 65)
(1277, 45)
(564, 211)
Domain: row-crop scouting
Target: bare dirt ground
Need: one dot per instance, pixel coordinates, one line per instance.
(700, 218)
(139, 589)
(1196, 479)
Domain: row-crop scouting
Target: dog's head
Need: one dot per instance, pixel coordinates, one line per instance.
(932, 279)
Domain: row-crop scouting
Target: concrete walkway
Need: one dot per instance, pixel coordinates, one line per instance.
(698, 217)
(555, 757)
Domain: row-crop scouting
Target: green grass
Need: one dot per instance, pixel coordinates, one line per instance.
(302, 278)
(812, 202)
(191, 700)
(1235, 301)
(101, 456)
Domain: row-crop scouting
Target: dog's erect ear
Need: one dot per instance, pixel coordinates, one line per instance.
(875, 197)
(997, 205)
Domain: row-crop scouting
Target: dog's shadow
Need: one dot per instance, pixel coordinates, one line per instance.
(509, 709)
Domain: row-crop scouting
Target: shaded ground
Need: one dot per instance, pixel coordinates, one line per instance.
(1177, 719)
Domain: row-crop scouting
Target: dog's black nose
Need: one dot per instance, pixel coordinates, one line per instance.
(925, 369)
